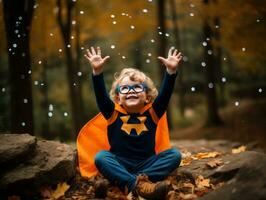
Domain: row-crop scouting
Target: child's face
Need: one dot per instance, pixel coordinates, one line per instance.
(132, 101)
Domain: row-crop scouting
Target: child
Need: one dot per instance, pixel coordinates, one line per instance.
(132, 115)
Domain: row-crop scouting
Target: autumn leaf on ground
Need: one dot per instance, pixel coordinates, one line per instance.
(185, 161)
(201, 183)
(214, 163)
(239, 149)
(60, 190)
(199, 156)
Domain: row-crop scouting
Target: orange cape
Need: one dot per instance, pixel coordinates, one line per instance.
(92, 138)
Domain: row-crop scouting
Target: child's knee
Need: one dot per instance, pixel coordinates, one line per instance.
(100, 158)
(175, 155)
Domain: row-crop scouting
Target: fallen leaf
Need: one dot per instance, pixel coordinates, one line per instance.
(60, 190)
(201, 183)
(199, 156)
(239, 149)
(185, 161)
(214, 163)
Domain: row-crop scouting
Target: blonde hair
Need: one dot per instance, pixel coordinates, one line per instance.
(134, 75)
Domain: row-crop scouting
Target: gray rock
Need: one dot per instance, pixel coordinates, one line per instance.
(246, 176)
(53, 162)
(15, 148)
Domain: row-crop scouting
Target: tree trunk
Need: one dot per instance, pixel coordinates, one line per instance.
(212, 108)
(18, 17)
(65, 28)
(162, 46)
(181, 91)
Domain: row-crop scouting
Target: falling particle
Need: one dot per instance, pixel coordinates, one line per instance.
(15, 45)
(149, 0)
(210, 52)
(123, 14)
(112, 46)
(160, 33)
(208, 39)
(23, 124)
(193, 89)
(236, 103)
(132, 27)
(149, 54)
(74, 22)
(25, 100)
(42, 84)
(81, 12)
(35, 6)
(257, 20)
(210, 85)
(65, 114)
(223, 79)
(72, 37)
(243, 49)
(152, 40)
(145, 10)
(112, 16)
(9, 49)
(50, 114)
(192, 5)
(36, 82)
(260, 90)
(167, 34)
(29, 72)
(123, 57)
(20, 18)
(148, 60)
(203, 64)
(68, 46)
(23, 54)
(114, 22)
(16, 31)
(40, 62)
(81, 48)
(60, 50)
(18, 35)
(74, 84)
(74, 0)
(51, 34)
(3, 89)
(79, 73)
(225, 58)
(204, 44)
(51, 107)
(191, 14)
(185, 58)
(216, 26)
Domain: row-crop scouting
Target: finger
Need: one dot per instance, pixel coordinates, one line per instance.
(163, 60)
(89, 53)
(106, 58)
(170, 51)
(87, 57)
(93, 51)
(99, 51)
(175, 52)
(179, 55)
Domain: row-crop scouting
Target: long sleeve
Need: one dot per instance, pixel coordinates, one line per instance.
(105, 104)
(161, 102)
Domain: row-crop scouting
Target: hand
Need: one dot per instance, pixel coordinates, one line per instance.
(96, 60)
(173, 60)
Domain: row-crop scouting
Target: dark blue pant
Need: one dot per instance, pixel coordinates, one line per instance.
(124, 171)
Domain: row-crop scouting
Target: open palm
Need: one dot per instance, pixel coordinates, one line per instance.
(172, 61)
(95, 59)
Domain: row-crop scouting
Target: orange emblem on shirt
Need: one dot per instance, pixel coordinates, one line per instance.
(138, 127)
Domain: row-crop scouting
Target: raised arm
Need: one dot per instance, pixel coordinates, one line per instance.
(105, 104)
(171, 63)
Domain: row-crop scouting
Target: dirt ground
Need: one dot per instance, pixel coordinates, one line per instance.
(244, 123)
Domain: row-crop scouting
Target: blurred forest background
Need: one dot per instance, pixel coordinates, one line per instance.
(45, 82)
